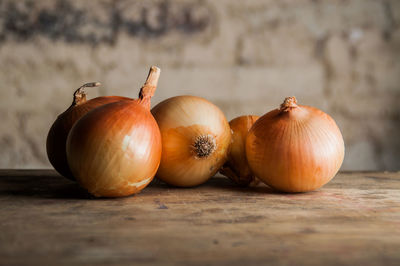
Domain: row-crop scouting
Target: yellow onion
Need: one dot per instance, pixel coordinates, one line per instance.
(195, 140)
(58, 133)
(295, 148)
(237, 168)
(115, 149)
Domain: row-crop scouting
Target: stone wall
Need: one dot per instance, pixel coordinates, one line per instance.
(246, 56)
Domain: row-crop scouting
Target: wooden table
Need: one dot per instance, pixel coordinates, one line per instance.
(48, 220)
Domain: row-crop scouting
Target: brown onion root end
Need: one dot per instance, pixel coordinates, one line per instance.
(243, 181)
(204, 146)
(228, 172)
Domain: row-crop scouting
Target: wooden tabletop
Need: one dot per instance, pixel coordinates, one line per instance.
(48, 220)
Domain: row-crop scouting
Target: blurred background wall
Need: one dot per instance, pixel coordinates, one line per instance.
(245, 56)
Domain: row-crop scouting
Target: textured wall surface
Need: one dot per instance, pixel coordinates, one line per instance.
(246, 56)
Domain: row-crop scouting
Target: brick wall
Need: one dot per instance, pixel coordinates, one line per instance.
(246, 56)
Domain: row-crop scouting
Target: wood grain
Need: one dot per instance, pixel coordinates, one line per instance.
(48, 220)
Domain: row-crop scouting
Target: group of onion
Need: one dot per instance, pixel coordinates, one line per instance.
(113, 146)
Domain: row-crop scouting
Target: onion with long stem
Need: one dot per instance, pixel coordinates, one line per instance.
(195, 140)
(295, 148)
(115, 149)
(58, 133)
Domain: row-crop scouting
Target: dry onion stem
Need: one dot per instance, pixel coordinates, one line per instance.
(295, 148)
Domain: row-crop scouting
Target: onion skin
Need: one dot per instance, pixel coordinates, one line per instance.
(237, 168)
(195, 139)
(295, 148)
(115, 149)
(58, 133)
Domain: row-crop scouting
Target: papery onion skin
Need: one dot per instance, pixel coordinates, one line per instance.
(295, 148)
(115, 149)
(195, 139)
(58, 133)
(237, 168)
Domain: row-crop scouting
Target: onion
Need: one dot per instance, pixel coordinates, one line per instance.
(195, 140)
(295, 148)
(115, 149)
(57, 136)
(237, 168)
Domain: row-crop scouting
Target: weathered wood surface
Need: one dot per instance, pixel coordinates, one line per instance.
(48, 220)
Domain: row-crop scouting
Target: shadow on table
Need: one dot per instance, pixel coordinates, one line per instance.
(39, 184)
(219, 182)
(224, 183)
(48, 184)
